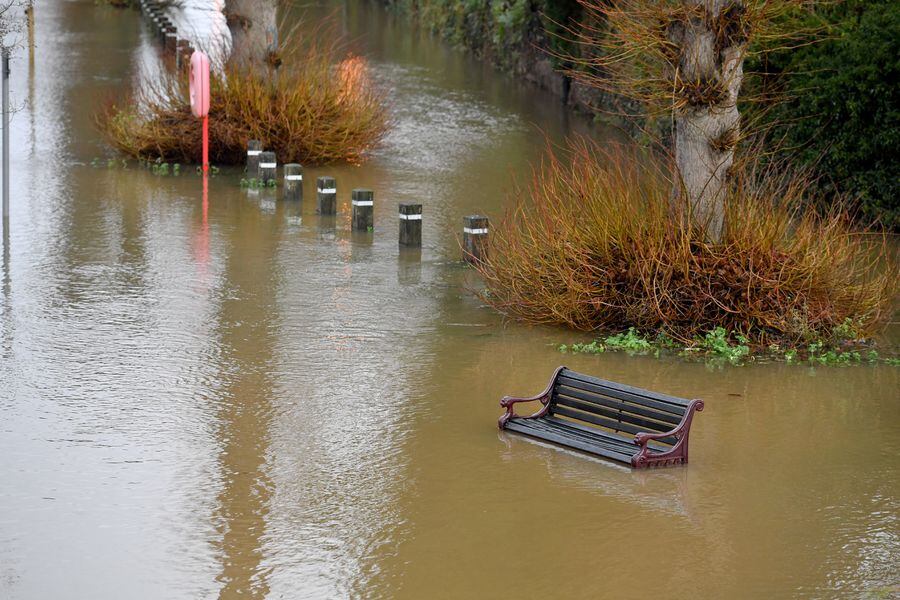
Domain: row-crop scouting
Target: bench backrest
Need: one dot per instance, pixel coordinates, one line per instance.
(614, 406)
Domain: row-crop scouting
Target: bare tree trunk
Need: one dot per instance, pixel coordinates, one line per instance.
(711, 42)
(253, 31)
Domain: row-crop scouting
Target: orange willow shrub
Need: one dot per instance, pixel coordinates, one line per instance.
(592, 244)
(317, 110)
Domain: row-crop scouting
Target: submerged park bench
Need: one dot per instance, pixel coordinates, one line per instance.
(615, 421)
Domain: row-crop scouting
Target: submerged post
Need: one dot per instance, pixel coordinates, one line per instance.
(254, 149)
(293, 182)
(475, 236)
(164, 24)
(171, 41)
(326, 196)
(183, 51)
(5, 76)
(267, 167)
(363, 201)
(410, 224)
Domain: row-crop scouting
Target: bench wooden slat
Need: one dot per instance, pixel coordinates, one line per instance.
(624, 396)
(602, 413)
(601, 421)
(567, 411)
(522, 426)
(626, 441)
(646, 418)
(662, 402)
(613, 402)
(623, 424)
(575, 429)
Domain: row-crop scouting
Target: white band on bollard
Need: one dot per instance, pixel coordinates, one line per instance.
(474, 231)
(361, 202)
(411, 217)
(293, 177)
(328, 191)
(267, 165)
(254, 152)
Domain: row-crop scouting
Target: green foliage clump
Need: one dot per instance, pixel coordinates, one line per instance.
(718, 343)
(629, 341)
(720, 346)
(595, 347)
(110, 163)
(254, 183)
(841, 112)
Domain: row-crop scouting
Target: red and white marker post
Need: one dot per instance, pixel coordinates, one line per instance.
(200, 98)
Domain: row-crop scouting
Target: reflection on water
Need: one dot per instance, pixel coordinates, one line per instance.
(222, 394)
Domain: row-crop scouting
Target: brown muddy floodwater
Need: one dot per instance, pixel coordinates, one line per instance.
(249, 401)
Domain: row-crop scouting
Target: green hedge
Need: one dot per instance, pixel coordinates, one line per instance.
(841, 113)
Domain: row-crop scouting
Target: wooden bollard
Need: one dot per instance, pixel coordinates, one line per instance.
(163, 24)
(183, 51)
(254, 149)
(293, 182)
(363, 217)
(267, 167)
(475, 236)
(171, 42)
(326, 196)
(410, 224)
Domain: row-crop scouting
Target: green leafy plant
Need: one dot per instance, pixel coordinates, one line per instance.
(718, 343)
(630, 341)
(594, 347)
(720, 346)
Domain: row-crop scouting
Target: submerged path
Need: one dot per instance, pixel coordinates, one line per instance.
(247, 400)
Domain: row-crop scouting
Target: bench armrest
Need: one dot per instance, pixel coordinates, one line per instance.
(683, 427)
(680, 432)
(508, 402)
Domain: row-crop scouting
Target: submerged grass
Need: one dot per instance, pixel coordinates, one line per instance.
(719, 346)
(593, 245)
(318, 109)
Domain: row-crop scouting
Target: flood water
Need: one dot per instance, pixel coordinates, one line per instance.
(242, 399)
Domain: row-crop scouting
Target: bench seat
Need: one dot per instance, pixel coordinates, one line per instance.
(607, 419)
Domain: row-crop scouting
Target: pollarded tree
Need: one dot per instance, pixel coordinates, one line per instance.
(683, 58)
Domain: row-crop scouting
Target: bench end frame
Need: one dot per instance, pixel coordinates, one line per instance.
(677, 454)
(508, 402)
